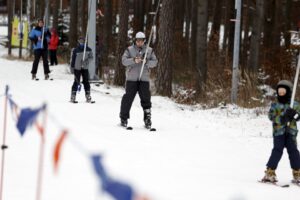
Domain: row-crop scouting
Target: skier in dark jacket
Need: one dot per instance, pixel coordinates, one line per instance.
(79, 66)
(132, 59)
(284, 132)
(40, 48)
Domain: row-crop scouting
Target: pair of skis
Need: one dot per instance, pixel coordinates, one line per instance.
(146, 127)
(37, 79)
(294, 182)
(75, 102)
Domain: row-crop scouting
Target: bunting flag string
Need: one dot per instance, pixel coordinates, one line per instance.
(27, 117)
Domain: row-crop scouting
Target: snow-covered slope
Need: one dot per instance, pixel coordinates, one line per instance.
(215, 154)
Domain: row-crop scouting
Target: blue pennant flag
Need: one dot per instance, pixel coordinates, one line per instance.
(119, 190)
(27, 118)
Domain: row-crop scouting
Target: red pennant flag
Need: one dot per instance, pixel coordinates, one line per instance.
(57, 148)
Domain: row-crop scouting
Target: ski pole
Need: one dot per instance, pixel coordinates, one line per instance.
(43, 32)
(150, 36)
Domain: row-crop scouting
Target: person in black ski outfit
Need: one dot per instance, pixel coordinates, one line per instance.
(79, 67)
(132, 59)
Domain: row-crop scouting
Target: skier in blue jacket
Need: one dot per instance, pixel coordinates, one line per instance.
(40, 48)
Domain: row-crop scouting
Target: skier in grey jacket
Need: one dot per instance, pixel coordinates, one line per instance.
(132, 59)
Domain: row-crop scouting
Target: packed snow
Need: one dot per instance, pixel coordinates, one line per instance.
(212, 154)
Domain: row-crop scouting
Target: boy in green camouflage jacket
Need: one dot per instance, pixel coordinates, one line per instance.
(284, 132)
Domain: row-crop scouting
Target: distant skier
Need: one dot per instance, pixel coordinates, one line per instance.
(284, 132)
(40, 48)
(79, 67)
(132, 59)
(53, 44)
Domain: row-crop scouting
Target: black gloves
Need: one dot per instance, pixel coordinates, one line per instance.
(289, 115)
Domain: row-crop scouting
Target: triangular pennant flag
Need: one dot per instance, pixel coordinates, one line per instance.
(57, 148)
(27, 118)
(99, 169)
(118, 190)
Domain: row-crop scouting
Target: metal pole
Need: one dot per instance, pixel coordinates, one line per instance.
(295, 83)
(92, 38)
(45, 15)
(3, 146)
(235, 66)
(149, 40)
(41, 158)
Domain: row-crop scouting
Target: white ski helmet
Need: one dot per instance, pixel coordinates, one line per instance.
(140, 35)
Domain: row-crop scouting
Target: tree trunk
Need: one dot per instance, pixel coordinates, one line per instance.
(201, 63)
(231, 28)
(246, 15)
(276, 33)
(139, 13)
(55, 14)
(188, 11)
(107, 31)
(81, 17)
(122, 44)
(257, 27)
(165, 45)
(73, 24)
(179, 19)
(269, 23)
(287, 23)
(193, 43)
(41, 8)
(215, 30)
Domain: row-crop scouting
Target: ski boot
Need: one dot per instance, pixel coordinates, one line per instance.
(124, 122)
(147, 118)
(296, 175)
(73, 98)
(270, 176)
(33, 77)
(47, 76)
(88, 97)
